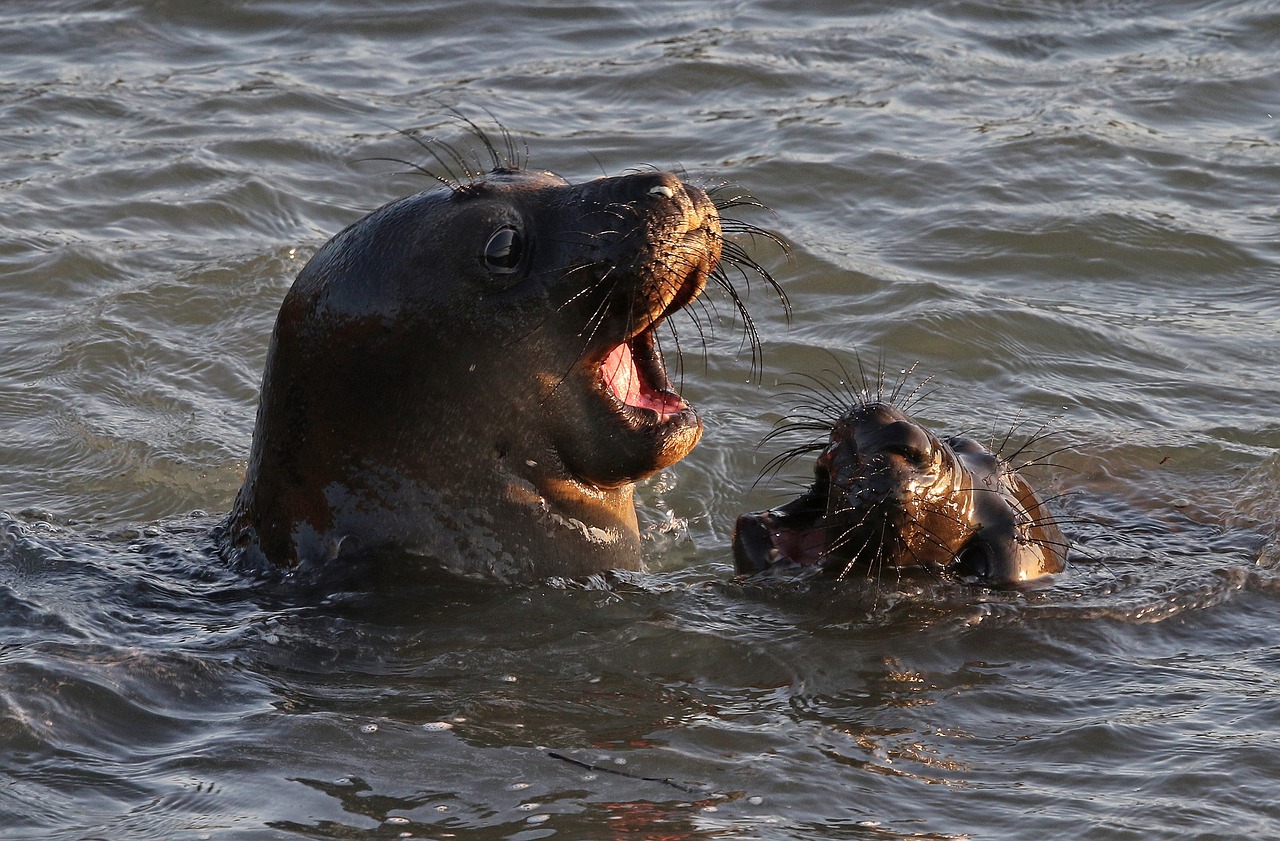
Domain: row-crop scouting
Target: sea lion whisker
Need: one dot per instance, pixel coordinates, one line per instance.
(901, 383)
(736, 255)
(585, 290)
(739, 227)
(1038, 464)
(824, 413)
(742, 199)
(418, 168)
(838, 384)
(431, 144)
(1040, 458)
(483, 136)
(1060, 496)
(751, 337)
(704, 310)
(965, 530)
(594, 322)
(854, 560)
(878, 560)
(596, 319)
(798, 423)
(1013, 427)
(597, 316)
(452, 182)
(919, 393)
(806, 406)
(919, 396)
(513, 160)
(817, 387)
(776, 463)
(849, 532)
(731, 202)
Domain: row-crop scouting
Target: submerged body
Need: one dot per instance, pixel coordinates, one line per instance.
(472, 376)
(889, 494)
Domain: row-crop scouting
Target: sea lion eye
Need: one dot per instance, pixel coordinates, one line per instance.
(915, 455)
(503, 251)
(908, 441)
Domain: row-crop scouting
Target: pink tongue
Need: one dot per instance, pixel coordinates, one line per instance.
(624, 381)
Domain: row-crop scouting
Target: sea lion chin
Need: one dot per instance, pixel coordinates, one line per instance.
(888, 494)
(471, 376)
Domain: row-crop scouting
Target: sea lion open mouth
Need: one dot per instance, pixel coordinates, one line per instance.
(636, 376)
(634, 371)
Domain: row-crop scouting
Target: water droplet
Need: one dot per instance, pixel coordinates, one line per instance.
(397, 820)
(368, 728)
(436, 726)
(755, 800)
(517, 787)
(528, 807)
(538, 819)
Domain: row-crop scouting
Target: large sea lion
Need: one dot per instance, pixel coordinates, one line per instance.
(472, 376)
(888, 494)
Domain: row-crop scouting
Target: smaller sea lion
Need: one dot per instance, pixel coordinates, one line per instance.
(889, 494)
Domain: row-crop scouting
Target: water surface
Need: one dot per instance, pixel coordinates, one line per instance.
(1065, 213)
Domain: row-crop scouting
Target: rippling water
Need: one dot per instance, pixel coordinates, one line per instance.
(1064, 212)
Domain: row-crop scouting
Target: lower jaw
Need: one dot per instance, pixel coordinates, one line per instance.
(657, 444)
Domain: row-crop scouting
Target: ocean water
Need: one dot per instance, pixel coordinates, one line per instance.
(1065, 214)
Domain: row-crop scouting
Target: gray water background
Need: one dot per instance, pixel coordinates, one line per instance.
(1064, 212)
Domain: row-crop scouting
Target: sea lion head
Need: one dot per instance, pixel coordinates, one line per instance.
(889, 494)
(473, 374)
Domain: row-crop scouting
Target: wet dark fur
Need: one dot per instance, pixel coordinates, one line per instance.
(472, 376)
(887, 530)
